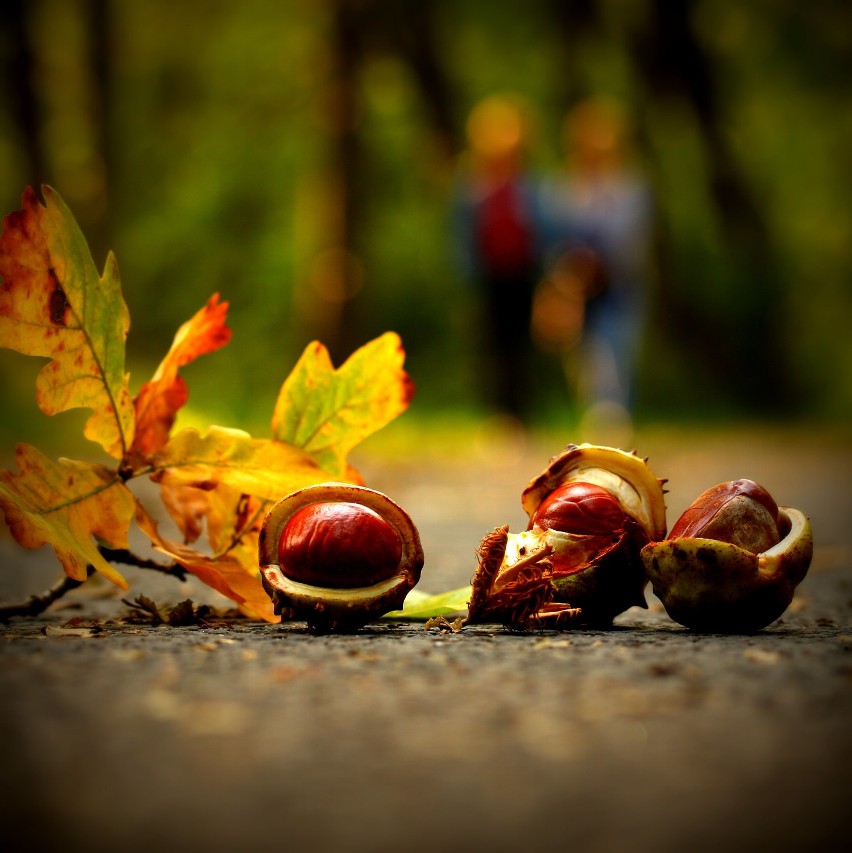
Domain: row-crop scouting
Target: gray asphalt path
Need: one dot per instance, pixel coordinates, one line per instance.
(646, 737)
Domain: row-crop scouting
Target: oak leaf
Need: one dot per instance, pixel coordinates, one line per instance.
(188, 507)
(326, 412)
(54, 303)
(234, 519)
(227, 574)
(227, 479)
(227, 513)
(253, 466)
(160, 399)
(65, 504)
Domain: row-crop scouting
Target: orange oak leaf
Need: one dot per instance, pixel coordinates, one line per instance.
(159, 400)
(228, 514)
(53, 303)
(253, 466)
(235, 575)
(65, 504)
(326, 412)
(188, 507)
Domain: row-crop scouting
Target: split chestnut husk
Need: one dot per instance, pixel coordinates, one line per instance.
(590, 513)
(733, 560)
(338, 556)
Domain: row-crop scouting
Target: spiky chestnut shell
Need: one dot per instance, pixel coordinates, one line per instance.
(590, 512)
(610, 578)
(338, 556)
(735, 586)
(513, 583)
(624, 475)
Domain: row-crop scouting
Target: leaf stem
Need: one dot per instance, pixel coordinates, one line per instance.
(239, 534)
(128, 558)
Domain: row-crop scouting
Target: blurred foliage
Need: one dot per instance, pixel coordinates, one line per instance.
(289, 154)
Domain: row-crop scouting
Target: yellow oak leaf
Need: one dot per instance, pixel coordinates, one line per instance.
(253, 466)
(53, 303)
(235, 575)
(233, 518)
(159, 400)
(326, 412)
(65, 504)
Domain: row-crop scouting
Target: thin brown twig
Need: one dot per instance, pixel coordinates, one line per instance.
(39, 602)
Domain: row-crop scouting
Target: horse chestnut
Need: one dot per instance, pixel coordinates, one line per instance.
(740, 512)
(339, 544)
(579, 507)
(732, 561)
(338, 556)
(590, 512)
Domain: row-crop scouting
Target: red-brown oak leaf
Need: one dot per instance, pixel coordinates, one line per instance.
(235, 575)
(160, 399)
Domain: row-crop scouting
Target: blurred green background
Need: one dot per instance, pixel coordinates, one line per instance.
(298, 158)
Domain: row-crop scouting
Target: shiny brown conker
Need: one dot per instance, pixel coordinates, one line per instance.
(741, 512)
(339, 544)
(578, 507)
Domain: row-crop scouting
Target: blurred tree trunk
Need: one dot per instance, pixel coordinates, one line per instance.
(413, 33)
(98, 58)
(33, 101)
(750, 359)
(359, 26)
(575, 21)
(343, 265)
(19, 76)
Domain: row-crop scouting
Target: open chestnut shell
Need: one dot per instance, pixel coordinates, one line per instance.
(590, 513)
(733, 560)
(338, 556)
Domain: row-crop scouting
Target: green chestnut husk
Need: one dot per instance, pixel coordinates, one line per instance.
(713, 586)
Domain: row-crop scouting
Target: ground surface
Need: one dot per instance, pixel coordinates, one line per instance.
(646, 737)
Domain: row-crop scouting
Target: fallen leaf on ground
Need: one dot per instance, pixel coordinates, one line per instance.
(444, 625)
(61, 631)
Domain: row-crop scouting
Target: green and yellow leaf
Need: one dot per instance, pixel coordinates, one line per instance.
(326, 412)
(253, 466)
(67, 504)
(53, 303)
(421, 606)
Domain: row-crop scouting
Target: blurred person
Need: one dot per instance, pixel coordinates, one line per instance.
(591, 307)
(496, 222)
